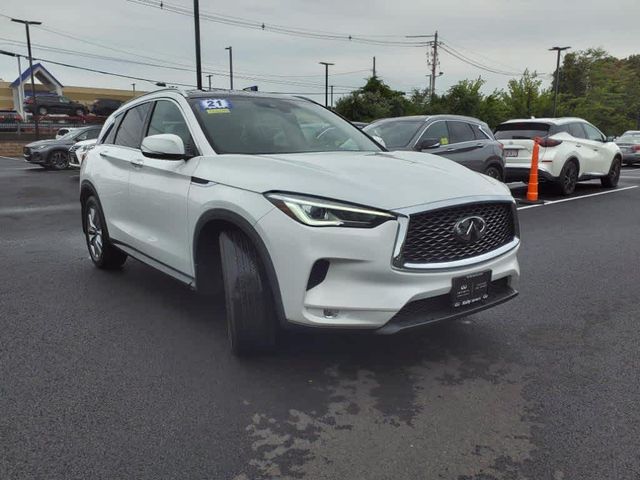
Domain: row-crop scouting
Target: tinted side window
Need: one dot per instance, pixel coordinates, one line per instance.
(130, 130)
(437, 130)
(91, 134)
(110, 134)
(593, 133)
(575, 130)
(460, 132)
(167, 118)
(479, 133)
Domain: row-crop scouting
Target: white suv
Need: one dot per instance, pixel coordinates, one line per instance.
(300, 217)
(571, 150)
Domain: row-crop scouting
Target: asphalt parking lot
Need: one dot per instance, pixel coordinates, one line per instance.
(128, 374)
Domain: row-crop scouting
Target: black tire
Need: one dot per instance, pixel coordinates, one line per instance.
(103, 254)
(42, 110)
(251, 322)
(58, 160)
(613, 177)
(568, 178)
(79, 112)
(494, 171)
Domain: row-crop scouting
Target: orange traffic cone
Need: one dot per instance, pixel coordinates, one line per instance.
(532, 190)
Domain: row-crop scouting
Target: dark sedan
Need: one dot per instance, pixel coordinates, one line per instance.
(46, 104)
(630, 148)
(464, 140)
(54, 154)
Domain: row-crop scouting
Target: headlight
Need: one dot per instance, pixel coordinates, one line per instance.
(318, 212)
(40, 147)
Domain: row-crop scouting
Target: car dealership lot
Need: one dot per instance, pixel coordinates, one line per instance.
(128, 374)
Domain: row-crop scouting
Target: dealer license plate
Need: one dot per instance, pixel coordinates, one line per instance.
(470, 289)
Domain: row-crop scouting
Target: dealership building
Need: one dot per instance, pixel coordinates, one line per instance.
(12, 94)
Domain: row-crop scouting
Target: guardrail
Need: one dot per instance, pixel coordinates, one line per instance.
(47, 124)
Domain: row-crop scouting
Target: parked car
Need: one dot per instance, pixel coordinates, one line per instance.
(325, 230)
(54, 154)
(78, 151)
(571, 150)
(464, 140)
(105, 106)
(360, 124)
(63, 131)
(47, 104)
(9, 120)
(629, 145)
(631, 132)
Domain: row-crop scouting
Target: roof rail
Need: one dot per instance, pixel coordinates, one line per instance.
(181, 91)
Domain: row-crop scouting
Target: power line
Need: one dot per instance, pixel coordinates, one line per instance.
(274, 28)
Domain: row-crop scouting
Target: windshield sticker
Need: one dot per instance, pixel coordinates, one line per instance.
(216, 105)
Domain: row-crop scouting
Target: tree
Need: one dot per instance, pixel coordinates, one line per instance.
(525, 97)
(374, 100)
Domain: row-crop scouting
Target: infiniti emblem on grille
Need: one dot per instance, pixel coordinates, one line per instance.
(470, 229)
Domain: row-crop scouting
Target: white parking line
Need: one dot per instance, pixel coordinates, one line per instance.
(38, 209)
(551, 202)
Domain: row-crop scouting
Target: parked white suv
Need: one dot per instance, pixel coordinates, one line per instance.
(571, 150)
(300, 217)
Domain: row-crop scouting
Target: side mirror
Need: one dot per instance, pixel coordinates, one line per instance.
(165, 146)
(611, 138)
(429, 143)
(379, 140)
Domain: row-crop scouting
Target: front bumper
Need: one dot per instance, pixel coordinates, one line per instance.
(361, 289)
(35, 156)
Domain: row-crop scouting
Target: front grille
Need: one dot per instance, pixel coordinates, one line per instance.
(430, 236)
(26, 150)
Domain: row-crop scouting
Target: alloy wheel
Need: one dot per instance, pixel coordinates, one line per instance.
(570, 178)
(59, 160)
(94, 234)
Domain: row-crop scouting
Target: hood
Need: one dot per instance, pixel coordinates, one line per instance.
(386, 180)
(50, 142)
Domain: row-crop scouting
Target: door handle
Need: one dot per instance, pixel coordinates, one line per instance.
(104, 153)
(136, 162)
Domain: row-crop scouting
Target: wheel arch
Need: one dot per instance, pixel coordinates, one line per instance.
(206, 253)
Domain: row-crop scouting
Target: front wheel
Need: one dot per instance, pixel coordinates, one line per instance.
(251, 322)
(59, 160)
(80, 112)
(568, 178)
(613, 177)
(43, 110)
(103, 254)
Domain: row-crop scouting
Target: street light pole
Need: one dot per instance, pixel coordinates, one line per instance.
(209, 77)
(230, 66)
(326, 82)
(196, 21)
(26, 23)
(555, 95)
(331, 96)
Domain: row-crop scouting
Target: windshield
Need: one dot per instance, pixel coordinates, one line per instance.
(395, 134)
(258, 125)
(521, 131)
(70, 135)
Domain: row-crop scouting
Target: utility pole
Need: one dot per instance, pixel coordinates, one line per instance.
(434, 60)
(133, 87)
(374, 67)
(209, 77)
(26, 23)
(331, 96)
(555, 95)
(326, 82)
(196, 21)
(230, 67)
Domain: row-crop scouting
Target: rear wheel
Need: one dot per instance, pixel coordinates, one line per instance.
(42, 110)
(59, 160)
(613, 177)
(251, 321)
(79, 112)
(568, 178)
(493, 172)
(103, 254)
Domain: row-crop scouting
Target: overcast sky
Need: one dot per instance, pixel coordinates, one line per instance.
(508, 35)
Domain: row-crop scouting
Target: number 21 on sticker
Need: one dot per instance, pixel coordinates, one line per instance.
(216, 103)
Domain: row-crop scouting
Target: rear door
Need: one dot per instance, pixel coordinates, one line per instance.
(158, 193)
(464, 147)
(119, 152)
